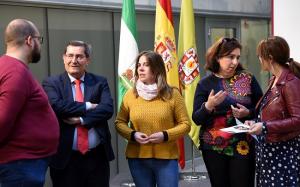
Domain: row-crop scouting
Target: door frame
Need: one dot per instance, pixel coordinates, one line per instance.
(221, 23)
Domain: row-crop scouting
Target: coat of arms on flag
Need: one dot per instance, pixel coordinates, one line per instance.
(188, 66)
(128, 74)
(166, 47)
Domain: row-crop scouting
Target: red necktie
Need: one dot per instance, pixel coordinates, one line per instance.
(82, 133)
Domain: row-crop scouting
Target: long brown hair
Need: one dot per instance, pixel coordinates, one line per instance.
(277, 48)
(221, 48)
(157, 67)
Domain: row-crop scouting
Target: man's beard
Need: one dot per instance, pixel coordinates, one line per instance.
(35, 55)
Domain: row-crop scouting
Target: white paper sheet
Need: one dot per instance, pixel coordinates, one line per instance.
(241, 128)
(238, 128)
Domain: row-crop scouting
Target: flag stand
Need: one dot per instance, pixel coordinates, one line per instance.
(193, 175)
(128, 184)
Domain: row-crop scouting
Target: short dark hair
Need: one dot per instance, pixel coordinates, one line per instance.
(87, 47)
(221, 48)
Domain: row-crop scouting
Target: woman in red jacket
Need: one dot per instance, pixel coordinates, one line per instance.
(278, 126)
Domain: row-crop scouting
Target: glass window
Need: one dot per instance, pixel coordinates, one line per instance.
(36, 15)
(252, 32)
(217, 33)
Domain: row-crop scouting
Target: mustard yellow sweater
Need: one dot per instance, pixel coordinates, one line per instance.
(149, 117)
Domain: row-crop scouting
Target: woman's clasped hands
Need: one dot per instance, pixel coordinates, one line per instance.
(143, 138)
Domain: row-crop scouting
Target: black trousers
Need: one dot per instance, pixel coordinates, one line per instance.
(226, 171)
(89, 170)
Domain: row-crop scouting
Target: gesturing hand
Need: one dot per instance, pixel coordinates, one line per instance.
(141, 138)
(157, 137)
(240, 111)
(215, 99)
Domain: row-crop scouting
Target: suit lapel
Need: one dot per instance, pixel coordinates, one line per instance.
(67, 88)
(88, 87)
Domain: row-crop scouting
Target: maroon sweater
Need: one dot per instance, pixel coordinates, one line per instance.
(28, 126)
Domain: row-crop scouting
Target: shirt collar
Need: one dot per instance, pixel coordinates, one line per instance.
(72, 79)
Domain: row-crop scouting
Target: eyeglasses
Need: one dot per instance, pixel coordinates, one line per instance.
(226, 40)
(40, 38)
(79, 57)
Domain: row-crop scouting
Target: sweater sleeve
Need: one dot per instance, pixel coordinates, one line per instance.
(182, 123)
(200, 115)
(122, 119)
(14, 91)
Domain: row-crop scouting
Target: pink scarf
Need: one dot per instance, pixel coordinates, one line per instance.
(147, 92)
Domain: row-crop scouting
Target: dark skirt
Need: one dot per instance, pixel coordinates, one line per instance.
(278, 164)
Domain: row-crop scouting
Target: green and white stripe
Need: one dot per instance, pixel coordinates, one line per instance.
(128, 49)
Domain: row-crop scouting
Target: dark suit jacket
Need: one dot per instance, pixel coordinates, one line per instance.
(96, 90)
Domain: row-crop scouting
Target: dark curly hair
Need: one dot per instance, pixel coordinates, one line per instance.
(221, 48)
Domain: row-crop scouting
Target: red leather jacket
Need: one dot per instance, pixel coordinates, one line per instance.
(281, 111)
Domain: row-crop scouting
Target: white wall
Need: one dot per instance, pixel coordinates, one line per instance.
(287, 24)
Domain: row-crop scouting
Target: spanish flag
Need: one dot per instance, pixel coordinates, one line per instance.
(165, 45)
(188, 62)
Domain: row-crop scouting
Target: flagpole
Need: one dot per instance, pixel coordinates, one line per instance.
(193, 175)
(128, 50)
(193, 159)
(126, 184)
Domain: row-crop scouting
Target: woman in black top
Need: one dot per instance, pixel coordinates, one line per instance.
(229, 92)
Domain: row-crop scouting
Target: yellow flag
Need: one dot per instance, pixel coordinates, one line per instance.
(188, 61)
(165, 45)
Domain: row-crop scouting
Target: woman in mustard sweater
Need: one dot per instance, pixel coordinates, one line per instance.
(152, 117)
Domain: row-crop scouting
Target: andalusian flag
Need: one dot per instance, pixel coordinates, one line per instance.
(166, 46)
(188, 61)
(128, 49)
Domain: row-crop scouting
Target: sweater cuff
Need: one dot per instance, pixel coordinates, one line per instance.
(206, 110)
(251, 112)
(166, 136)
(132, 136)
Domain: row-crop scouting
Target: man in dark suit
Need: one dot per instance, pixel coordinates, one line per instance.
(83, 104)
